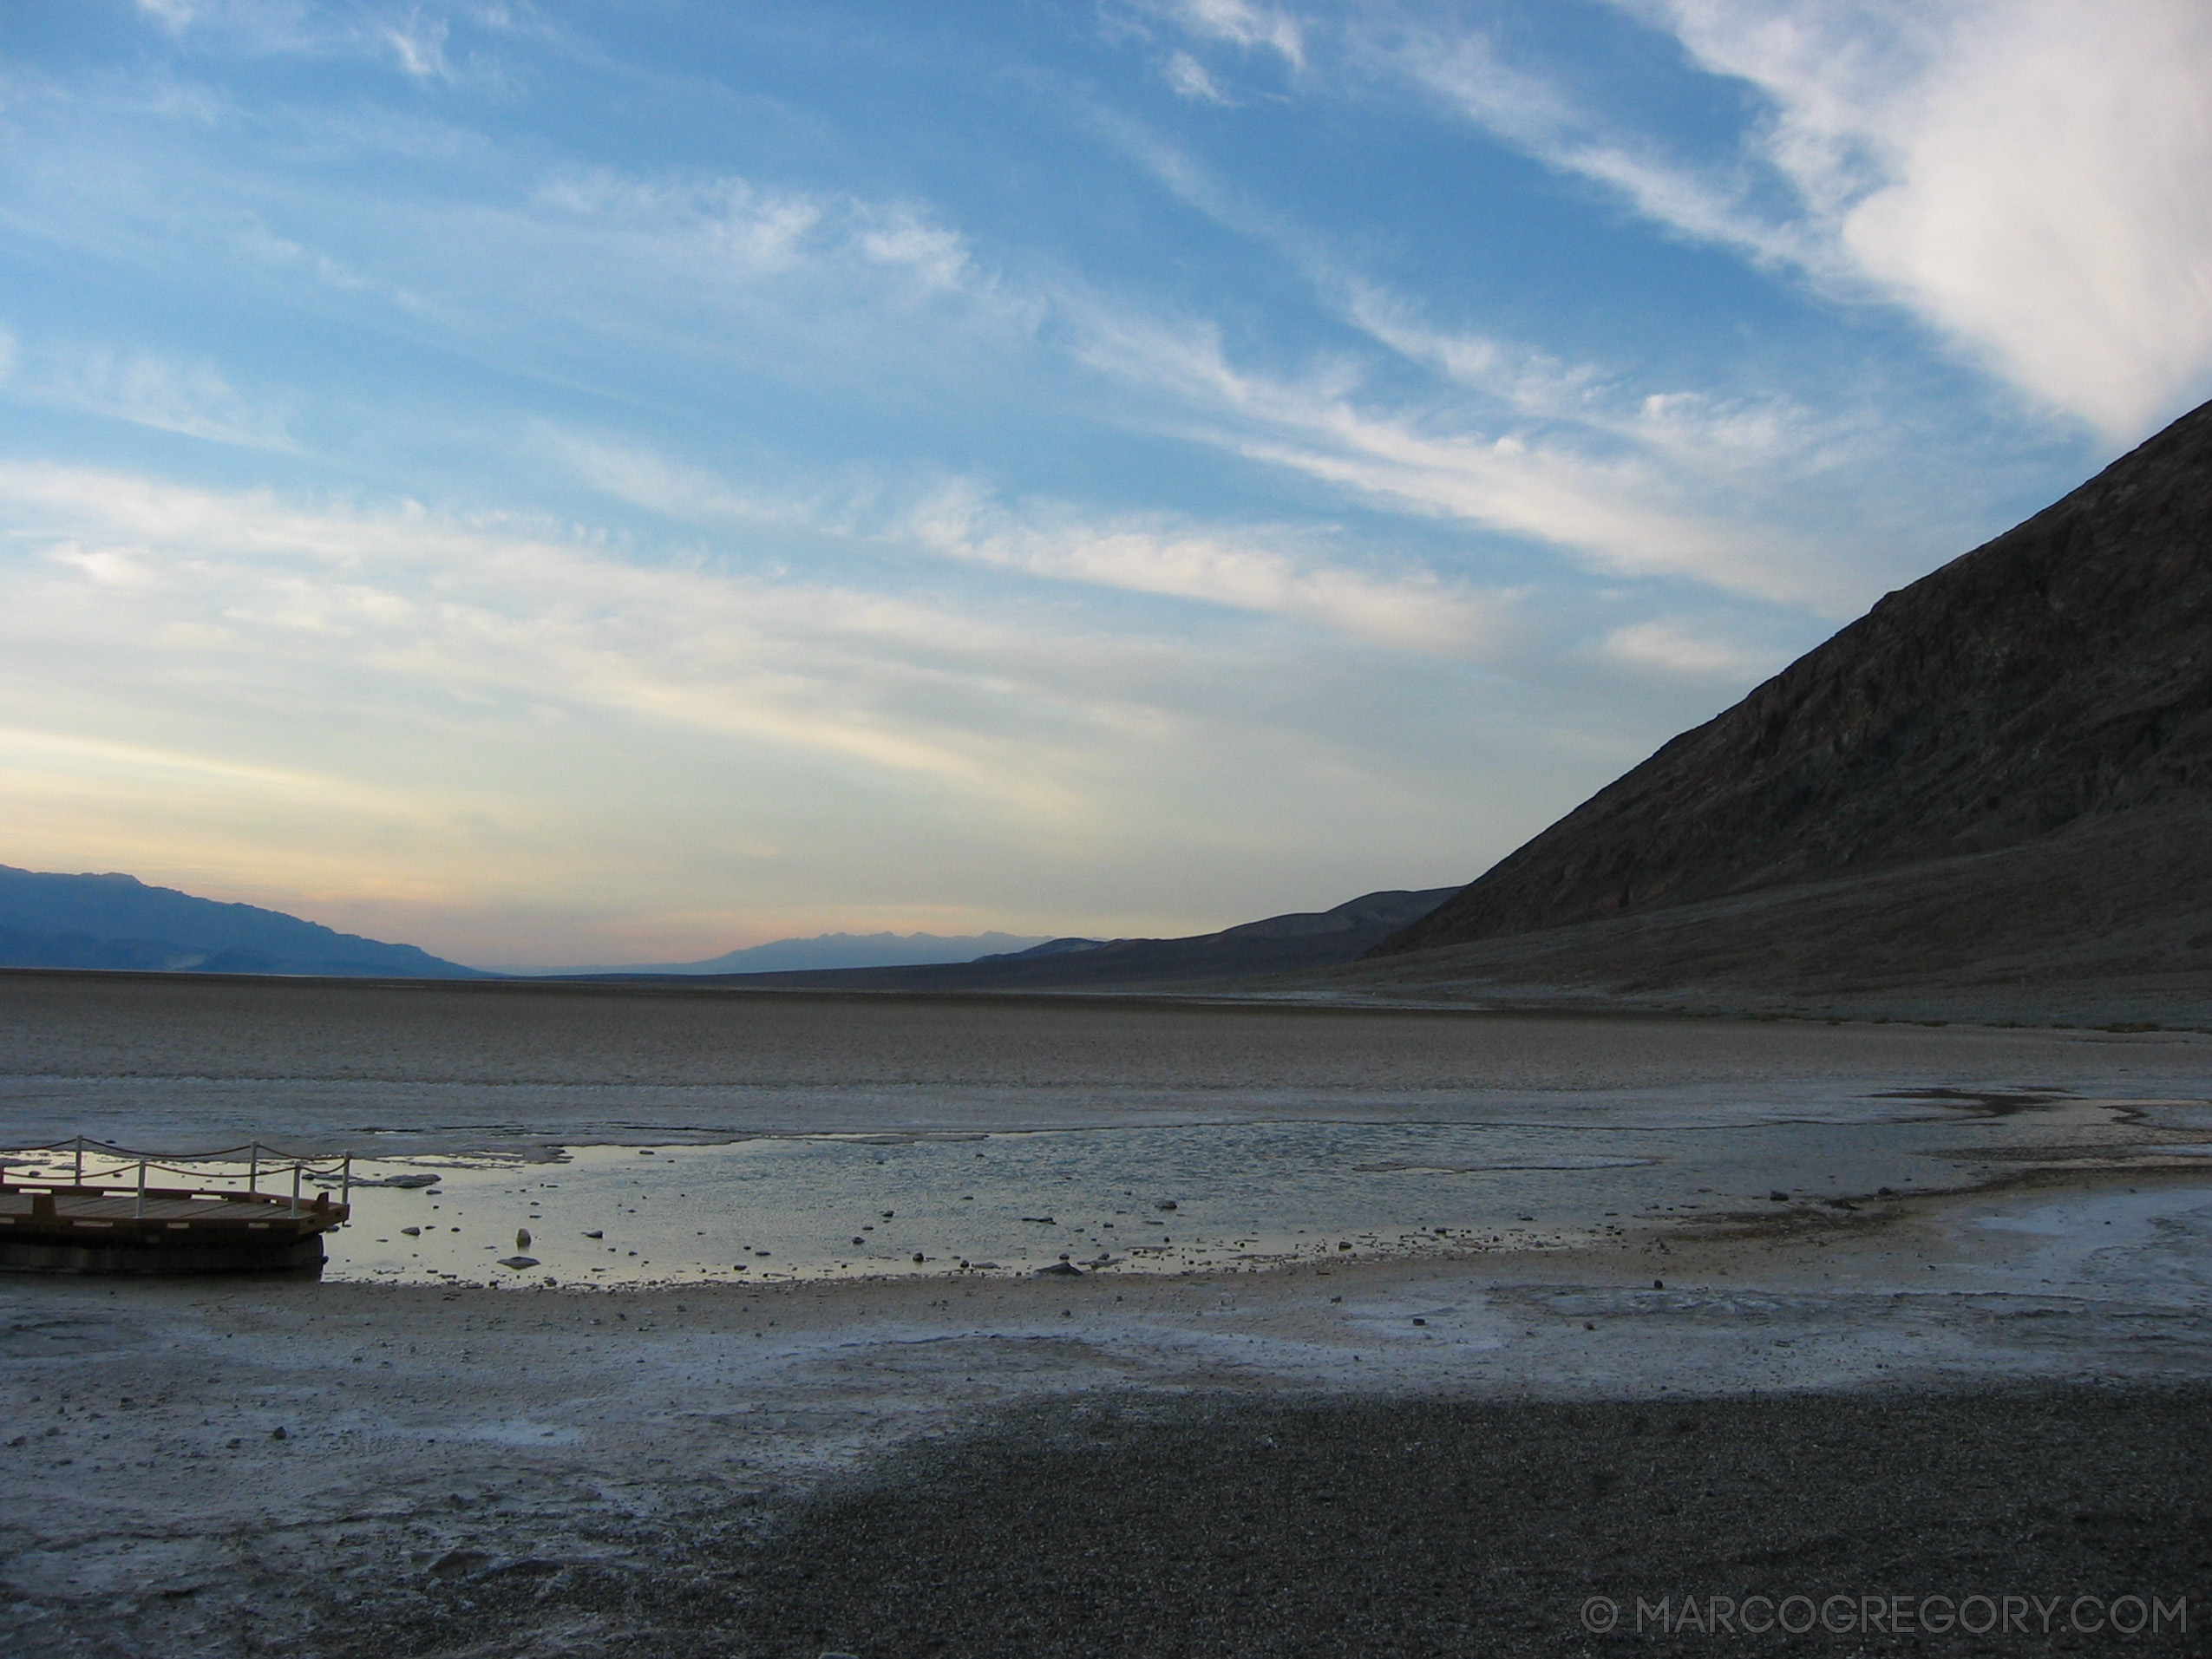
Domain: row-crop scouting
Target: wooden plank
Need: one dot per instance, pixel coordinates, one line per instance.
(123, 1209)
(173, 1207)
(116, 1218)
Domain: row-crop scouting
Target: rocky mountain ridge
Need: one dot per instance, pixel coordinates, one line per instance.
(2056, 680)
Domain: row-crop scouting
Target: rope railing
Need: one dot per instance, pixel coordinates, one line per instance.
(339, 1166)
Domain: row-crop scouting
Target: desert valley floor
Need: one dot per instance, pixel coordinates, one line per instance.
(1727, 1362)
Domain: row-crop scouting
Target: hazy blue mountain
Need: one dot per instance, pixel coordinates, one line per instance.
(825, 950)
(1273, 944)
(117, 921)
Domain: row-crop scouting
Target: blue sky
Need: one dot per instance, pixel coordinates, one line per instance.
(589, 482)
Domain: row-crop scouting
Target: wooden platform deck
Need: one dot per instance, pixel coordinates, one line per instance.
(107, 1228)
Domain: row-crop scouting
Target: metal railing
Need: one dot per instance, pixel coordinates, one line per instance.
(261, 1162)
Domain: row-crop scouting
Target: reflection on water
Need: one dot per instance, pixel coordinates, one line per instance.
(1122, 1199)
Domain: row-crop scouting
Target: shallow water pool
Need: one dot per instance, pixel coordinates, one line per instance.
(1122, 1199)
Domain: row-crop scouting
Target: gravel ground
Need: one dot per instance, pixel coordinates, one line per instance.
(1996, 1393)
(1126, 1526)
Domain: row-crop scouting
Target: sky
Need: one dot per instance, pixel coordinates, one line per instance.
(560, 480)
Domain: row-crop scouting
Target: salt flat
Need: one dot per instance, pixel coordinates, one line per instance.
(327, 1066)
(539, 1470)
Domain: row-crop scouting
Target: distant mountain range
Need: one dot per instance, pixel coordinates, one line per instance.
(823, 950)
(117, 921)
(2000, 776)
(1276, 945)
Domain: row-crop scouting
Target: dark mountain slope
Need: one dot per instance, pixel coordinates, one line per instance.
(2108, 920)
(2057, 679)
(1304, 939)
(117, 921)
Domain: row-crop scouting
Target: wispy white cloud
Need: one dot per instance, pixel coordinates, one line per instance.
(726, 222)
(2025, 176)
(1613, 507)
(1528, 381)
(655, 252)
(523, 261)
(263, 246)
(936, 256)
(1465, 70)
(2028, 175)
(1702, 483)
(633, 473)
(726, 228)
(1189, 78)
(1239, 23)
(411, 38)
(148, 391)
(1674, 645)
(1266, 571)
(1768, 443)
(1406, 608)
(440, 602)
(419, 43)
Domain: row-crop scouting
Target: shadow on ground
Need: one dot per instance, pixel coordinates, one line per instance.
(1123, 1525)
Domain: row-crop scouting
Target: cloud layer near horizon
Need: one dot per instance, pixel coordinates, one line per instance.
(550, 489)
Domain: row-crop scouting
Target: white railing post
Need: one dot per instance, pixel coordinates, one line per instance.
(345, 1192)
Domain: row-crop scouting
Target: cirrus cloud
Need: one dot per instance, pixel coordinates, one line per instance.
(2025, 176)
